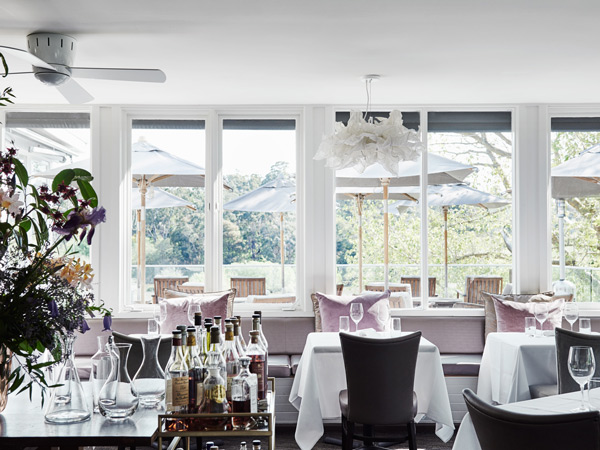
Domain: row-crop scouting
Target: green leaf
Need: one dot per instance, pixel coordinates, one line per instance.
(64, 176)
(21, 172)
(4, 65)
(88, 192)
(82, 175)
(25, 225)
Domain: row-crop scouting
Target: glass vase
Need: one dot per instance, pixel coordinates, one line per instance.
(149, 380)
(67, 402)
(5, 367)
(100, 369)
(118, 398)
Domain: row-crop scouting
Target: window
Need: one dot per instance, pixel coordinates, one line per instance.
(576, 207)
(259, 218)
(470, 215)
(47, 143)
(168, 198)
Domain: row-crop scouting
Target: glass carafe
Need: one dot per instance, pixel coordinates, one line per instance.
(67, 401)
(100, 369)
(118, 397)
(149, 380)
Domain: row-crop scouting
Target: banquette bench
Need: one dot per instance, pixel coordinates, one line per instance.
(459, 339)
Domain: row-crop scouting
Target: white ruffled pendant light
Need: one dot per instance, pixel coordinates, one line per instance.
(362, 143)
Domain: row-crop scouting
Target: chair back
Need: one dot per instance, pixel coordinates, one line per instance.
(161, 283)
(246, 286)
(499, 429)
(136, 354)
(476, 286)
(566, 339)
(191, 288)
(415, 285)
(380, 375)
(339, 288)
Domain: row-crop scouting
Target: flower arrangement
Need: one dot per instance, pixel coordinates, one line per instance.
(45, 292)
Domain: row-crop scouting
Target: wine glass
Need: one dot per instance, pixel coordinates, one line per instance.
(540, 311)
(192, 310)
(356, 313)
(581, 367)
(571, 313)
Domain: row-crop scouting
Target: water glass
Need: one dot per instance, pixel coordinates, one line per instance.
(152, 326)
(585, 326)
(396, 327)
(344, 324)
(530, 326)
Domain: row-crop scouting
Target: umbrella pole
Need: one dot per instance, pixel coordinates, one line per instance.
(561, 237)
(282, 252)
(142, 186)
(445, 209)
(385, 182)
(359, 206)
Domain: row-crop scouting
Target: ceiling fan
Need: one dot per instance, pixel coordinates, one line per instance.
(52, 56)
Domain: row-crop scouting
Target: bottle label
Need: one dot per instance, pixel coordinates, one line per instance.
(169, 396)
(215, 393)
(180, 391)
(229, 380)
(253, 383)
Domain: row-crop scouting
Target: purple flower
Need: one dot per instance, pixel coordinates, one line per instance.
(81, 220)
(107, 322)
(84, 327)
(53, 308)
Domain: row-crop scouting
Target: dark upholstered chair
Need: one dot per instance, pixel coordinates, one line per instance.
(136, 353)
(566, 339)
(380, 375)
(498, 429)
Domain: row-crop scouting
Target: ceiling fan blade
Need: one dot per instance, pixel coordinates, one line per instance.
(74, 93)
(144, 75)
(25, 56)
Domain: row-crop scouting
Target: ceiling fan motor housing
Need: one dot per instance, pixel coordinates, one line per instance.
(57, 50)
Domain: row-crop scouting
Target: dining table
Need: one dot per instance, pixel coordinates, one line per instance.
(511, 362)
(321, 376)
(466, 437)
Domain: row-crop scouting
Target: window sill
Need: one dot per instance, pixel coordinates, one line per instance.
(439, 312)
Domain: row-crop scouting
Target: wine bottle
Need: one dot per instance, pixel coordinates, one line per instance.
(257, 364)
(216, 348)
(196, 372)
(232, 364)
(243, 341)
(263, 344)
(177, 384)
(256, 444)
(237, 342)
(244, 395)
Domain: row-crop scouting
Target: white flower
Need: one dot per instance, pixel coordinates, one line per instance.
(10, 203)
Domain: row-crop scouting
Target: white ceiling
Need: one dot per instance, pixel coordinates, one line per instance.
(314, 51)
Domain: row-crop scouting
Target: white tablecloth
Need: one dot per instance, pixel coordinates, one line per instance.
(466, 439)
(321, 376)
(511, 362)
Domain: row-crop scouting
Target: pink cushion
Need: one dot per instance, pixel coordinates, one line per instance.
(511, 315)
(211, 304)
(334, 306)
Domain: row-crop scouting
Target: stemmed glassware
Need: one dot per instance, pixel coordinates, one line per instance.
(541, 314)
(356, 313)
(581, 367)
(571, 313)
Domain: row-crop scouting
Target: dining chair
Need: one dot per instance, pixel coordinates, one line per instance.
(136, 353)
(246, 286)
(499, 429)
(565, 339)
(380, 375)
(415, 285)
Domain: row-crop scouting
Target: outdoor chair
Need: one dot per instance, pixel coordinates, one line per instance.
(499, 429)
(415, 285)
(161, 283)
(477, 285)
(380, 376)
(339, 288)
(191, 288)
(246, 286)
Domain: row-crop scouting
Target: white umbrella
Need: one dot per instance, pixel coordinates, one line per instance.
(277, 196)
(577, 177)
(447, 195)
(440, 171)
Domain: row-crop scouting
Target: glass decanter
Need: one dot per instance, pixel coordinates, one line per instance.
(67, 401)
(100, 369)
(214, 399)
(149, 380)
(118, 397)
(244, 396)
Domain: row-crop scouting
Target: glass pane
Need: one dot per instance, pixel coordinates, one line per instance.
(360, 226)
(259, 218)
(168, 184)
(47, 143)
(470, 207)
(575, 192)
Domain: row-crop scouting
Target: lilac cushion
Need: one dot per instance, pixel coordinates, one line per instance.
(332, 307)
(511, 315)
(211, 304)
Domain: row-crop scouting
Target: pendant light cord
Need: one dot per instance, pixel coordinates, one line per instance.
(368, 89)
